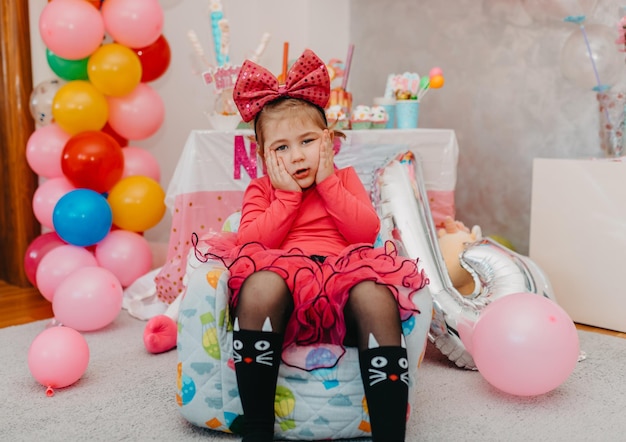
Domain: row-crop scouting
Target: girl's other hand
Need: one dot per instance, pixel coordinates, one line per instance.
(279, 177)
(327, 156)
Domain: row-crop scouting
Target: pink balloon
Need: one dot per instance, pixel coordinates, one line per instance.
(136, 23)
(35, 252)
(435, 71)
(88, 299)
(46, 197)
(58, 357)
(71, 29)
(44, 149)
(58, 264)
(524, 344)
(139, 161)
(126, 254)
(138, 115)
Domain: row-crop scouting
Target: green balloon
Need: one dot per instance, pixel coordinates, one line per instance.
(67, 69)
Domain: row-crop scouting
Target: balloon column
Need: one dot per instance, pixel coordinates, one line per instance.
(97, 194)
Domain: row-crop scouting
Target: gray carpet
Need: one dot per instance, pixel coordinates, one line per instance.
(128, 394)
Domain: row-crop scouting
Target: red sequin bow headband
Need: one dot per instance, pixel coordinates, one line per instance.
(256, 86)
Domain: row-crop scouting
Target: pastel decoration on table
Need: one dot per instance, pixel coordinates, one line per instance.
(337, 117)
(612, 120)
(407, 114)
(389, 104)
(379, 117)
(57, 264)
(58, 357)
(523, 344)
(88, 300)
(72, 29)
(44, 149)
(360, 118)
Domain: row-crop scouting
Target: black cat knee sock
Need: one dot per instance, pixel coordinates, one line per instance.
(385, 375)
(257, 360)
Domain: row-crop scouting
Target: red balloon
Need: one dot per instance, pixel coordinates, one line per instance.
(154, 59)
(93, 160)
(107, 129)
(36, 250)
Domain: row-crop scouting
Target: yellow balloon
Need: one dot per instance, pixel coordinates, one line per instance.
(137, 203)
(78, 107)
(436, 81)
(114, 69)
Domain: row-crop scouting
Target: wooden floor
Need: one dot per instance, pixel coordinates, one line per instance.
(24, 305)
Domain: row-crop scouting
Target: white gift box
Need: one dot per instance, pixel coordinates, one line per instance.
(578, 236)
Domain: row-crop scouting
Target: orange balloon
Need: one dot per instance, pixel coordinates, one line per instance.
(114, 69)
(436, 81)
(78, 107)
(137, 203)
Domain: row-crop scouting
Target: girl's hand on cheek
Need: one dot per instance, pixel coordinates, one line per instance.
(327, 156)
(279, 177)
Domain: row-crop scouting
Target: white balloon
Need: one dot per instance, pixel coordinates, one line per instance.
(580, 63)
(557, 10)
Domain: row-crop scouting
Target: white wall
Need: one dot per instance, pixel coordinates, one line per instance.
(505, 95)
(309, 24)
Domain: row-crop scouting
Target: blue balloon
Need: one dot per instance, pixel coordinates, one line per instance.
(82, 217)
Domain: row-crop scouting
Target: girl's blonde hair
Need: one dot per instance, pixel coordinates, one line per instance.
(293, 107)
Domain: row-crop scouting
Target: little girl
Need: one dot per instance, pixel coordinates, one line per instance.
(303, 270)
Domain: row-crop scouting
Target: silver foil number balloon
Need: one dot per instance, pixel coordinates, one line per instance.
(399, 195)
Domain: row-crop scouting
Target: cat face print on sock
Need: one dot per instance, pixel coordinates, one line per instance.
(257, 350)
(386, 365)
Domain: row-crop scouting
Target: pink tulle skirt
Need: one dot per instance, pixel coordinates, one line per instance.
(320, 289)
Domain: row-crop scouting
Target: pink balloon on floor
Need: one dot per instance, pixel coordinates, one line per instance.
(138, 115)
(524, 344)
(139, 161)
(72, 29)
(47, 196)
(35, 252)
(135, 24)
(88, 299)
(58, 264)
(44, 149)
(58, 357)
(126, 254)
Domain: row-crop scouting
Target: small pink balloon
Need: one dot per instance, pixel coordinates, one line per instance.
(35, 252)
(58, 264)
(139, 161)
(58, 357)
(44, 150)
(435, 71)
(46, 197)
(126, 254)
(71, 29)
(524, 344)
(135, 24)
(88, 299)
(138, 115)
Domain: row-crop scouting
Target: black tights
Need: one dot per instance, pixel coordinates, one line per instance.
(370, 310)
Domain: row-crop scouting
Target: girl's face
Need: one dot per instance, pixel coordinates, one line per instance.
(296, 141)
